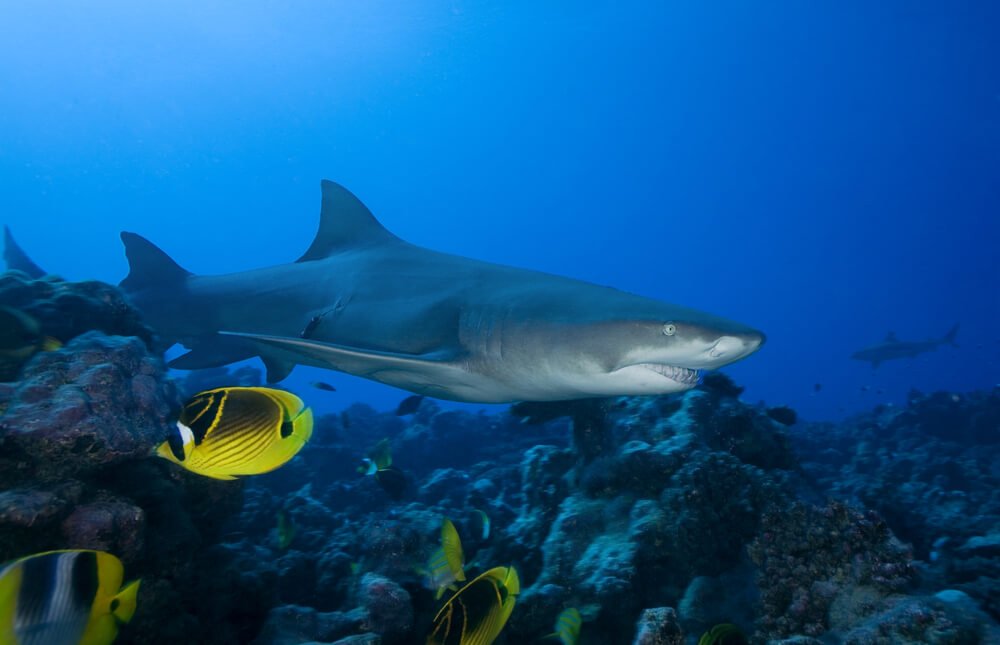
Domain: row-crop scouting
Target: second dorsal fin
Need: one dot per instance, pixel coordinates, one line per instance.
(344, 222)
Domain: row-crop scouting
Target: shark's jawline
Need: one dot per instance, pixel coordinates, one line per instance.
(684, 375)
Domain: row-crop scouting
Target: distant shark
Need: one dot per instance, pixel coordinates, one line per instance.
(892, 348)
(365, 302)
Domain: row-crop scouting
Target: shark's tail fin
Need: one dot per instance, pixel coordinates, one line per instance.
(949, 338)
(17, 259)
(148, 265)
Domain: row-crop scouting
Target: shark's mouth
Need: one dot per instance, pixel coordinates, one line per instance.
(679, 374)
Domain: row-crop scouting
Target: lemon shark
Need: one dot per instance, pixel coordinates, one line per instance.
(363, 301)
(892, 348)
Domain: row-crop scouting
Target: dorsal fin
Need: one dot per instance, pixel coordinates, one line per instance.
(17, 259)
(148, 265)
(891, 337)
(344, 222)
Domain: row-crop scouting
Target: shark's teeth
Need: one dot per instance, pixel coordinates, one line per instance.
(679, 374)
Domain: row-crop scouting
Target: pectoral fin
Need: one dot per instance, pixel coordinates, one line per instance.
(412, 369)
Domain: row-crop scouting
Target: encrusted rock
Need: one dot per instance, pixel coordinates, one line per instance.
(99, 401)
(114, 526)
(65, 310)
(292, 625)
(388, 607)
(658, 626)
(810, 557)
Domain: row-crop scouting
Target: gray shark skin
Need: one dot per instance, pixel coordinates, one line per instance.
(893, 348)
(365, 302)
(17, 259)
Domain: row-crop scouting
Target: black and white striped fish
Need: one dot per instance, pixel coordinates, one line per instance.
(72, 597)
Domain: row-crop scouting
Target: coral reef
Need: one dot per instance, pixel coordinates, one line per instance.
(656, 517)
(687, 503)
(658, 627)
(77, 433)
(932, 470)
(809, 559)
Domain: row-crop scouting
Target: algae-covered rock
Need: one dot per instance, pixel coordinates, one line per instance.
(713, 600)
(293, 625)
(715, 504)
(917, 620)
(388, 607)
(637, 468)
(658, 626)
(812, 558)
(113, 525)
(593, 550)
(98, 401)
(65, 310)
(752, 436)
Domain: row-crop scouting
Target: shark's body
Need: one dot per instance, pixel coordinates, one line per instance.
(892, 348)
(365, 302)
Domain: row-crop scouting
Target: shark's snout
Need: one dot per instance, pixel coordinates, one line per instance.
(725, 349)
(731, 348)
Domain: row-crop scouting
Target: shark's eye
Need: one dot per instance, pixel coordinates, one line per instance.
(669, 329)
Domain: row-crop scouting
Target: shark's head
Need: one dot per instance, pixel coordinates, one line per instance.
(657, 357)
(635, 355)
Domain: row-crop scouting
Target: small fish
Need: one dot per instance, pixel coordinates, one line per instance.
(286, 530)
(392, 480)
(20, 338)
(379, 464)
(447, 565)
(477, 613)
(484, 523)
(568, 627)
(381, 455)
(724, 634)
(409, 405)
(539, 412)
(233, 431)
(321, 385)
(72, 597)
(817, 387)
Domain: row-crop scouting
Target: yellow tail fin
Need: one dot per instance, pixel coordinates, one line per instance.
(452, 546)
(124, 608)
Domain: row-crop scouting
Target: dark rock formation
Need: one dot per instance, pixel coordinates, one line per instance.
(658, 627)
(66, 310)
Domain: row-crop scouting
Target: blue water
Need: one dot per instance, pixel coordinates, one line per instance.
(824, 173)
